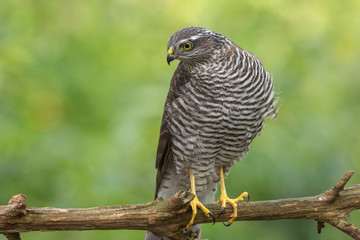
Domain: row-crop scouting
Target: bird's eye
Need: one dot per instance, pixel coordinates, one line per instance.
(187, 46)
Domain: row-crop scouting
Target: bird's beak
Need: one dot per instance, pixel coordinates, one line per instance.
(170, 55)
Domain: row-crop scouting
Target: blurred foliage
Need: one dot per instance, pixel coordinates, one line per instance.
(83, 84)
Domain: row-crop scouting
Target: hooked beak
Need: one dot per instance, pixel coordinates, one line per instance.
(171, 55)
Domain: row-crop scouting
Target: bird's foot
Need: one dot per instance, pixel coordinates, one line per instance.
(225, 199)
(195, 203)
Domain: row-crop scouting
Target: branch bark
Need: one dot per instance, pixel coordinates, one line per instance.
(169, 217)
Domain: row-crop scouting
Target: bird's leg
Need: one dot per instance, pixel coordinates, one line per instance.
(225, 199)
(196, 203)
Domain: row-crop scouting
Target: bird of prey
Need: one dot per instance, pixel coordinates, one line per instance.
(218, 99)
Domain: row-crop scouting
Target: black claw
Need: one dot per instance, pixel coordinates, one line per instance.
(222, 209)
(248, 198)
(227, 224)
(212, 215)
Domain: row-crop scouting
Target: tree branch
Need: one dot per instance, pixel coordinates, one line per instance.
(169, 217)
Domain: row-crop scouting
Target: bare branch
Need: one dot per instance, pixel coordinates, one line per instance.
(168, 217)
(331, 194)
(347, 227)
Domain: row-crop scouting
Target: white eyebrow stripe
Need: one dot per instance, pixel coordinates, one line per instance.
(193, 38)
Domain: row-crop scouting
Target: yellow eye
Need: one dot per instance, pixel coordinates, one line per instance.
(187, 46)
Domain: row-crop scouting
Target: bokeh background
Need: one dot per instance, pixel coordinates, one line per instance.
(83, 84)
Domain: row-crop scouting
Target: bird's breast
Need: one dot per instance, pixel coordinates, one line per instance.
(220, 111)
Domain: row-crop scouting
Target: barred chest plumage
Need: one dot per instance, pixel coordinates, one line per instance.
(220, 111)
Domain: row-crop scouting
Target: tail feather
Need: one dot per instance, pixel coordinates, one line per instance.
(154, 236)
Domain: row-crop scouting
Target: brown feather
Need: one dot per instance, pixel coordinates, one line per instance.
(164, 154)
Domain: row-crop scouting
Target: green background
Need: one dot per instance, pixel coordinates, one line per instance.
(83, 84)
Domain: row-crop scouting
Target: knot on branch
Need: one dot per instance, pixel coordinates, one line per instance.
(179, 202)
(17, 206)
(181, 199)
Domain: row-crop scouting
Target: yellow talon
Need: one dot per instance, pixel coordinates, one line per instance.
(225, 199)
(196, 203)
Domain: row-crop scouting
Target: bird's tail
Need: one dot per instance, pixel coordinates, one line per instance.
(154, 236)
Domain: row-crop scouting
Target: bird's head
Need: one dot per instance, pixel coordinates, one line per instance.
(193, 44)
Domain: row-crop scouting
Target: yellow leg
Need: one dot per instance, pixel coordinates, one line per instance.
(196, 203)
(225, 199)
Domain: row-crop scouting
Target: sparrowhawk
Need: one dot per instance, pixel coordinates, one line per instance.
(219, 97)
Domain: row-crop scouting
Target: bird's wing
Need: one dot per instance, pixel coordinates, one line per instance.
(164, 155)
